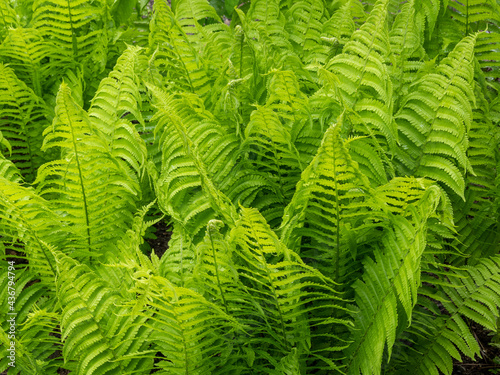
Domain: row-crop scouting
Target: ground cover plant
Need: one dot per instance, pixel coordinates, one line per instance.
(328, 172)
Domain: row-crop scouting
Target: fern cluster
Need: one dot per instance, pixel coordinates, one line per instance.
(328, 170)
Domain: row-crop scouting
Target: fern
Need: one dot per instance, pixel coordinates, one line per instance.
(435, 118)
(73, 29)
(23, 120)
(327, 172)
(392, 276)
(78, 186)
(441, 337)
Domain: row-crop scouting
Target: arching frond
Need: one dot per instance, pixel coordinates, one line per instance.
(284, 291)
(435, 118)
(392, 277)
(87, 185)
(439, 337)
(305, 23)
(328, 202)
(24, 49)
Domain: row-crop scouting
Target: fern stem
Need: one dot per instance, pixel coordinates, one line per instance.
(217, 272)
(337, 250)
(73, 35)
(82, 186)
(466, 17)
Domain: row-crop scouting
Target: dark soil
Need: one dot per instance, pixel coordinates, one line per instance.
(490, 361)
(160, 243)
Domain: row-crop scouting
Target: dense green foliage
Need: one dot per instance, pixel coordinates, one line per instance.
(329, 170)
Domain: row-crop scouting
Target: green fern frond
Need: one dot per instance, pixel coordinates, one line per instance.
(36, 331)
(488, 55)
(204, 30)
(435, 118)
(343, 23)
(23, 118)
(329, 199)
(284, 291)
(86, 302)
(406, 46)
(305, 24)
(360, 69)
(9, 171)
(197, 159)
(8, 18)
(392, 277)
(265, 33)
(74, 29)
(87, 186)
(117, 104)
(24, 49)
(27, 219)
(191, 333)
(472, 294)
(473, 15)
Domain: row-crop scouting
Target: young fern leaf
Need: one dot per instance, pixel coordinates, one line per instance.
(328, 202)
(9, 171)
(181, 57)
(343, 23)
(265, 34)
(87, 186)
(205, 31)
(197, 160)
(8, 18)
(23, 118)
(87, 312)
(36, 332)
(435, 118)
(189, 331)
(27, 219)
(392, 276)
(473, 15)
(406, 46)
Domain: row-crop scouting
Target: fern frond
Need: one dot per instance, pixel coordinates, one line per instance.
(24, 49)
(361, 70)
(8, 18)
(87, 185)
(190, 332)
(36, 340)
(204, 30)
(73, 29)
(305, 24)
(329, 199)
(472, 293)
(9, 171)
(435, 118)
(23, 118)
(197, 159)
(86, 302)
(343, 23)
(473, 15)
(406, 45)
(26, 218)
(284, 291)
(117, 104)
(392, 277)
